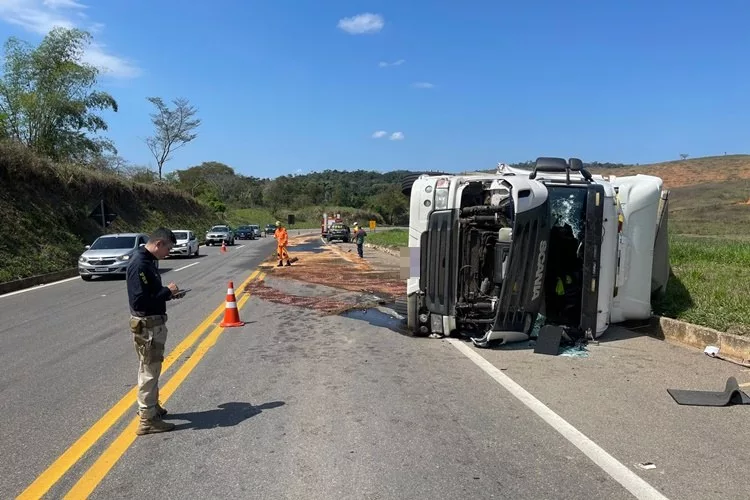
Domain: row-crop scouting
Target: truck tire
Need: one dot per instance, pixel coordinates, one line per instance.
(412, 320)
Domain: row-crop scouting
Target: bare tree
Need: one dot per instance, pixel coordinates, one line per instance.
(684, 156)
(174, 128)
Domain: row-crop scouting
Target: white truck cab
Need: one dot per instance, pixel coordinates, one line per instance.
(490, 252)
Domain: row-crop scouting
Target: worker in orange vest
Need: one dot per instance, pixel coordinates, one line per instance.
(282, 240)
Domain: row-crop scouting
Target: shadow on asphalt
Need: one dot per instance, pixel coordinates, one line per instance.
(227, 415)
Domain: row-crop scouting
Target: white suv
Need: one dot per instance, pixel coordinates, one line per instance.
(187, 244)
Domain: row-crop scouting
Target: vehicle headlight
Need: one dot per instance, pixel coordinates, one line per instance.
(123, 257)
(441, 199)
(82, 259)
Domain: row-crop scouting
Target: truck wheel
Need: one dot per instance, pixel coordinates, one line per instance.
(412, 313)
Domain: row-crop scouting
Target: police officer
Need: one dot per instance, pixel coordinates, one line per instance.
(148, 316)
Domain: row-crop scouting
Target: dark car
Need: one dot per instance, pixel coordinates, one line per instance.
(244, 233)
(339, 231)
(270, 229)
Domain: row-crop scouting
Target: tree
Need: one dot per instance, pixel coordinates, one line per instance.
(174, 128)
(684, 156)
(391, 204)
(139, 173)
(47, 97)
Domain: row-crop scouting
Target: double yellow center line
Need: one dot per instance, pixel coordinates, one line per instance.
(94, 475)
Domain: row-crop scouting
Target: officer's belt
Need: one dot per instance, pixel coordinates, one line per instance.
(152, 321)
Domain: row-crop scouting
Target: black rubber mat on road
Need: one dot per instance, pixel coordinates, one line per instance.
(732, 395)
(548, 341)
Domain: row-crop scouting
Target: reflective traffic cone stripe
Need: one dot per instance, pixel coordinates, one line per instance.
(223, 246)
(231, 313)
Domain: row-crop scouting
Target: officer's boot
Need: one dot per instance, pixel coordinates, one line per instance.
(288, 263)
(281, 263)
(153, 425)
(159, 411)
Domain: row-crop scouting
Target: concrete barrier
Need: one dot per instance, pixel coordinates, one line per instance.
(42, 279)
(735, 347)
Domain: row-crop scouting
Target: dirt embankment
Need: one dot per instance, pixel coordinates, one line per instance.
(45, 211)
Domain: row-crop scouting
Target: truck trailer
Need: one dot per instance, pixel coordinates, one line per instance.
(492, 254)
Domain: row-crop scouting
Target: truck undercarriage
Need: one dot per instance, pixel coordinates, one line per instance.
(494, 255)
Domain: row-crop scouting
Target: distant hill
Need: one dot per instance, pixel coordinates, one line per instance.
(679, 173)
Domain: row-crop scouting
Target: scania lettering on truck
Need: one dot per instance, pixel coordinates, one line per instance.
(491, 253)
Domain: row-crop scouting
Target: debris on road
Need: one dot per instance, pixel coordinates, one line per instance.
(714, 352)
(731, 395)
(576, 351)
(327, 265)
(325, 305)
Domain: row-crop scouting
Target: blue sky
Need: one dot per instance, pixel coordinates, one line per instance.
(294, 86)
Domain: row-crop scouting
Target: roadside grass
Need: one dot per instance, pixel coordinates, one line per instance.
(710, 283)
(391, 238)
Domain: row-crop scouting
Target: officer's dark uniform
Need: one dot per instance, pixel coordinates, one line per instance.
(148, 305)
(146, 294)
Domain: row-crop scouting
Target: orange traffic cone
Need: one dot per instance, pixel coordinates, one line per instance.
(223, 247)
(231, 313)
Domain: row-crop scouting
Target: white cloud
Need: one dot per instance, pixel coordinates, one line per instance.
(379, 134)
(362, 24)
(397, 136)
(422, 85)
(384, 64)
(63, 4)
(41, 16)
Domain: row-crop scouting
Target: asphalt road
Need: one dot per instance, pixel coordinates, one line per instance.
(295, 405)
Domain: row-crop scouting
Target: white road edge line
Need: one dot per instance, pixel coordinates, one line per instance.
(39, 286)
(240, 246)
(185, 267)
(619, 472)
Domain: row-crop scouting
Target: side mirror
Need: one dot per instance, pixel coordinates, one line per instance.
(87, 247)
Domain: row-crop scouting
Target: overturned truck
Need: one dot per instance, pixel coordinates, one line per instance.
(491, 254)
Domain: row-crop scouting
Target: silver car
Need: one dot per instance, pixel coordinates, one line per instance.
(218, 234)
(109, 254)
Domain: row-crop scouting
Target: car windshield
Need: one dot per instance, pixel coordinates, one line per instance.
(220, 228)
(243, 228)
(181, 235)
(253, 227)
(113, 242)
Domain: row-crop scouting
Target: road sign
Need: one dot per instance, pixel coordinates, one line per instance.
(372, 225)
(103, 214)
